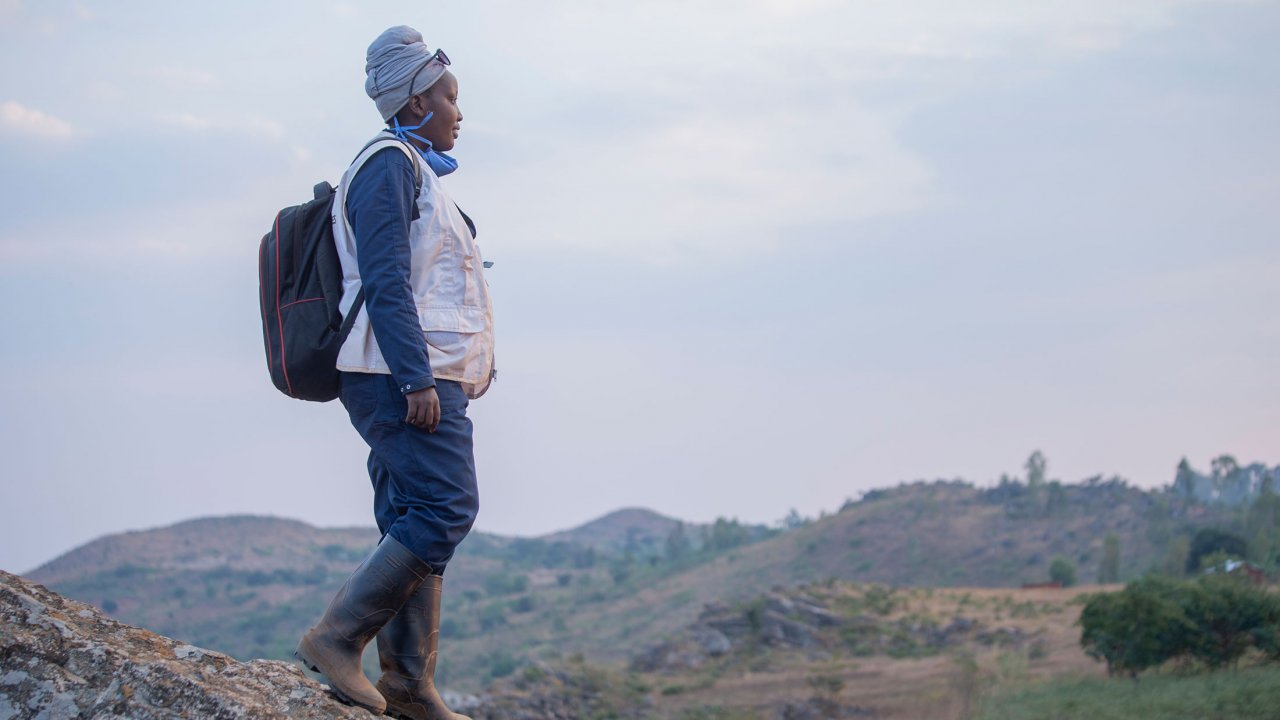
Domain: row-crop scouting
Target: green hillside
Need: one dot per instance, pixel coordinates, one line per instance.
(249, 586)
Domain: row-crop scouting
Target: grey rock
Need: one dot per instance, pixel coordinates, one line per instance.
(1004, 637)
(777, 629)
(816, 615)
(712, 641)
(779, 603)
(63, 659)
(734, 626)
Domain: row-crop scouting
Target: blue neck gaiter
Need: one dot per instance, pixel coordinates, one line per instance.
(439, 163)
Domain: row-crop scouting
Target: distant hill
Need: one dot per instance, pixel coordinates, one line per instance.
(645, 533)
(924, 534)
(620, 529)
(242, 542)
(249, 586)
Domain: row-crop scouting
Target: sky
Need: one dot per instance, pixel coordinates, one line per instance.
(749, 256)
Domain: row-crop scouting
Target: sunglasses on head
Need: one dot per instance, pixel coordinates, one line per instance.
(439, 56)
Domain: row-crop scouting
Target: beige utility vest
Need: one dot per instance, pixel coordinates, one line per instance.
(446, 274)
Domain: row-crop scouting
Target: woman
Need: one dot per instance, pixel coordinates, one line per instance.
(420, 347)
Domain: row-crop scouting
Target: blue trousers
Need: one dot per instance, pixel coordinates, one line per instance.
(424, 484)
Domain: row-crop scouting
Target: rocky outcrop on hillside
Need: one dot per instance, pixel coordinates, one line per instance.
(797, 621)
(61, 659)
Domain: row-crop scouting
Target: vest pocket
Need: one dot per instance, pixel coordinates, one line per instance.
(456, 318)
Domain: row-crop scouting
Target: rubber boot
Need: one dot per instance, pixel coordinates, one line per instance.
(407, 653)
(371, 597)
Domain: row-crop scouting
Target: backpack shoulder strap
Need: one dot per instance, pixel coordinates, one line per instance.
(381, 143)
(370, 148)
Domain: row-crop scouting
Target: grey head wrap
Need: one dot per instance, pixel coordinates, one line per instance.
(396, 69)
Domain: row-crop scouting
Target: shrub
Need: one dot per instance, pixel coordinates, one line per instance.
(1214, 620)
(504, 584)
(881, 600)
(1137, 628)
(1062, 570)
(493, 615)
(1228, 616)
(501, 664)
(451, 628)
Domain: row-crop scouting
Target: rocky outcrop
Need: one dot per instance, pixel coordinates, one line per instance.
(61, 659)
(797, 622)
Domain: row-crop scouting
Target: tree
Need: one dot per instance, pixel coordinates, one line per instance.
(1228, 615)
(584, 558)
(1224, 466)
(1215, 619)
(1109, 569)
(620, 568)
(1184, 481)
(677, 543)
(501, 583)
(1056, 503)
(1036, 467)
(726, 534)
(493, 615)
(1175, 558)
(1208, 541)
(1262, 522)
(1062, 570)
(793, 520)
(1137, 628)
(1264, 512)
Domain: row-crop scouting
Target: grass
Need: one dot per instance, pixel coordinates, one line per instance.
(1247, 694)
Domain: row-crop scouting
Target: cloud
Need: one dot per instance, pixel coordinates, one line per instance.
(716, 183)
(19, 119)
(180, 76)
(702, 164)
(239, 125)
(721, 133)
(104, 92)
(210, 229)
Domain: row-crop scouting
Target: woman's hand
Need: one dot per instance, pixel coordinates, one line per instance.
(424, 409)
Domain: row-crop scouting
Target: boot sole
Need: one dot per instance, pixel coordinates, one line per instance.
(310, 665)
(398, 711)
(399, 714)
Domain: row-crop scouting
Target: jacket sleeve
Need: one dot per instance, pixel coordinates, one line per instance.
(380, 204)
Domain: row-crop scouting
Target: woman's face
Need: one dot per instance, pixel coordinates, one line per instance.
(441, 99)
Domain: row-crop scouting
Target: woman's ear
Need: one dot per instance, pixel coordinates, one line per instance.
(419, 103)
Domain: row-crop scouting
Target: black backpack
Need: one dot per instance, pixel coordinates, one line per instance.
(300, 287)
